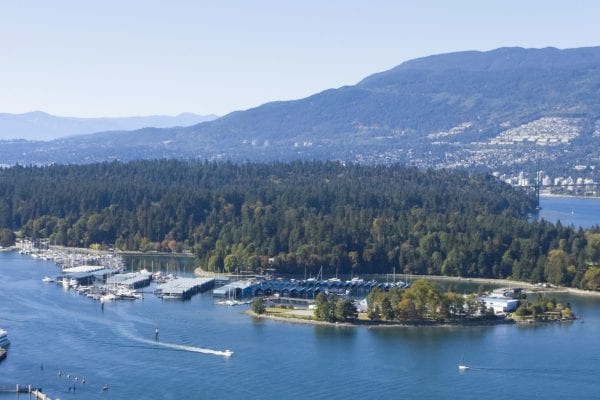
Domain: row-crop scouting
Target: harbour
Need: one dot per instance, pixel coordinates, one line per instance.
(122, 336)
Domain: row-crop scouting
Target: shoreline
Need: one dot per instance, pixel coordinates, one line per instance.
(493, 281)
(369, 324)
(556, 195)
(198, 271)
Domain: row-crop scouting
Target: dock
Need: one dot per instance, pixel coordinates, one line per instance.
(82, 268)
(133, 280)
(184, 288)
(33, 392)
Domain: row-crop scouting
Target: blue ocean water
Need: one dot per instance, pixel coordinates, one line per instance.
(577, 211)
(61, 330)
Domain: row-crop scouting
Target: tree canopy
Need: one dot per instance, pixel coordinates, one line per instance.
(292, 216)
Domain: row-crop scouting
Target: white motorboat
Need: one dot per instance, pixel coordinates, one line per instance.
(47, 279)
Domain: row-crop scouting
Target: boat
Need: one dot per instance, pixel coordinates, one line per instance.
(47, 279)
(463, 367)
(4, 342)
(107, 297)
(228, 353)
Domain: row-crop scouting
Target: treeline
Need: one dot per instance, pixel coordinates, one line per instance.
(345, 218)
(424, 301)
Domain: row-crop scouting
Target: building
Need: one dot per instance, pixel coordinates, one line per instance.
(500, 305)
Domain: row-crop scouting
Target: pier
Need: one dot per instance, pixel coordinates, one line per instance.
(33, 392)
(184, 288)
(133, 280)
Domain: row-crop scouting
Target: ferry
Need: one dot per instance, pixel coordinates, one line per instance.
(4, 342)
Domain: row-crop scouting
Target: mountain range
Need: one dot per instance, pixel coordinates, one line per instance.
(495, 109)
(38, 125)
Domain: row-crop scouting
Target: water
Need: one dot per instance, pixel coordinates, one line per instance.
(578, 211)
(160, 262)
(65, 331)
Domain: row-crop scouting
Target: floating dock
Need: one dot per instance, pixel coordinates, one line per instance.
(133, 280)
(184, 288)
(82, 268)
(33, 392)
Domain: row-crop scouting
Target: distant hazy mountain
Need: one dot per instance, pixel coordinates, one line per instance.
(38, 125)
(497, 108)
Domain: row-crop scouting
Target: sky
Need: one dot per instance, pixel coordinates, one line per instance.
(124, 58)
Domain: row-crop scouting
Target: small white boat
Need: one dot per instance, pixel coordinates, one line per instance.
(463, 367)
(228, 353)
(47, 279)
(107, 297)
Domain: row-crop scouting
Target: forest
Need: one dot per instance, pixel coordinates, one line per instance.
(300, 216)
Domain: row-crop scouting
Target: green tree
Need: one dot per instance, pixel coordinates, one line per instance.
(325, 310)
(387, 311)
(7, 237)
(345, 310)
(556, 267)
(374, 313)
(258, 305)
(591, 279)
(405, 310)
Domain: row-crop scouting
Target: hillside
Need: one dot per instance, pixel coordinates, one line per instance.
(505, 107)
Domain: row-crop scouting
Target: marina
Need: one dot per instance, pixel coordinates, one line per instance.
(115, 345)
(122, 337)
(184, 288)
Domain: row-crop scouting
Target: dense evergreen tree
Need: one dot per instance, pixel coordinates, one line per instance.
(345, 218)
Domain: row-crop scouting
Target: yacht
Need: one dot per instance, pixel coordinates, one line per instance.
(47, 279)
(4, 342)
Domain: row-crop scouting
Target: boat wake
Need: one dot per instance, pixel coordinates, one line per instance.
(192, 349)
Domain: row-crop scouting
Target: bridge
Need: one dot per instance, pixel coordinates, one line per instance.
(538, 187)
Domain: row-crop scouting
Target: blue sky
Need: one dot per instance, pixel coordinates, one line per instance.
(118, 58)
